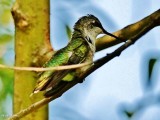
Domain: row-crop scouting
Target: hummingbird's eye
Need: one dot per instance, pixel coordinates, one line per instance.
(97, 24)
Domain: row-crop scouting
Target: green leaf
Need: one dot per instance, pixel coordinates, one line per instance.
(6, 80)
(6, 17)
(129, 114)
(152, 62)
(6, 2)
(5, 38)
(68, 31)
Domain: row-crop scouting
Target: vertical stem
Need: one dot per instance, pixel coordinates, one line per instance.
(31, 42)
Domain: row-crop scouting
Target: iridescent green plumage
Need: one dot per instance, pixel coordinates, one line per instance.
(74, 53)
(80, 49)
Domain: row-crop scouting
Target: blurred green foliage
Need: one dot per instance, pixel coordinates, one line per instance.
(6, 56)
(150, 67)
(149, 98)
(69, 32)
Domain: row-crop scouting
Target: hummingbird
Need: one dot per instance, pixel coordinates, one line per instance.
(80, 49)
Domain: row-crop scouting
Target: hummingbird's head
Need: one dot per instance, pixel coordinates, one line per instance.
(89, 26)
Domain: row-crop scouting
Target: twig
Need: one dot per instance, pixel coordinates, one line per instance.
(38, 69)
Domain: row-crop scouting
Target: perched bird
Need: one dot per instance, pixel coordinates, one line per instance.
(80, 49)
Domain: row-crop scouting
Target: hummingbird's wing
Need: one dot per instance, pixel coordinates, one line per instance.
(59, 87)
(74, 53)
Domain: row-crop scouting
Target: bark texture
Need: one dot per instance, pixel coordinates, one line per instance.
(31, 19)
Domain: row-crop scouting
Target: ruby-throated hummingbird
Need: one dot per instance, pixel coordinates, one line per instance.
(80, 49)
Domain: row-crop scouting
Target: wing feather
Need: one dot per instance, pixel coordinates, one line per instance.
(74, 53)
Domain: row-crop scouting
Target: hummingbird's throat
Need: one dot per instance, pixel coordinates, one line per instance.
(91, 43)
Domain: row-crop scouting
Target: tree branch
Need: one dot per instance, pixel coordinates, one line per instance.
(132, 33)
(31, 40)
(129, 31)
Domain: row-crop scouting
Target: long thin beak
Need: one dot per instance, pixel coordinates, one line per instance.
(105, 32)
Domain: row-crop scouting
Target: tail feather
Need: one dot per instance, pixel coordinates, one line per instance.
(50, 82)
(55, 89)
(41, 85)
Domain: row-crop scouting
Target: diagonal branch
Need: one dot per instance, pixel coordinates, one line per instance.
(129, 31)
(150, 22)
